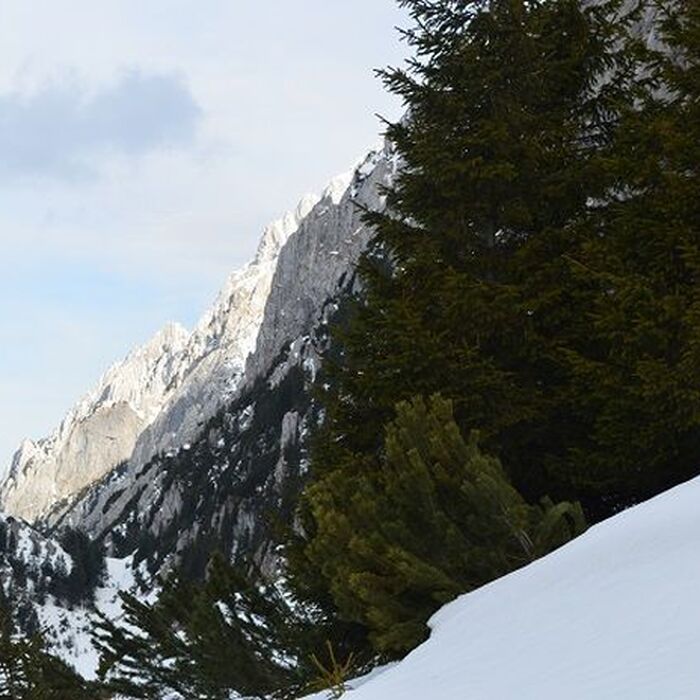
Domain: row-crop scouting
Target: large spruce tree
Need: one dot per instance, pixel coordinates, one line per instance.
(472, 287)
(635, 386)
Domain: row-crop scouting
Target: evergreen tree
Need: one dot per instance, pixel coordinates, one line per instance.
(433, 518)
(231, 634)
(636, 381)
(87, 570)
(469, 288)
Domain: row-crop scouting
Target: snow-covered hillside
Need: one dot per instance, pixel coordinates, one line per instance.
(614, 615)
(68, 631)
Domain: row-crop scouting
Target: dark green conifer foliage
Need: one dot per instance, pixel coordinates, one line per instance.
(433, 518)
(232, 633)
(636, 383)
(87, 570)
(191, 642)
(468, 289)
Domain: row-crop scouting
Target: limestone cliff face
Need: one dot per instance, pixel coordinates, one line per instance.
(115, 466)
(218, 347)
(158, 397)
(319, 256)
(248, 459)
(98, 433)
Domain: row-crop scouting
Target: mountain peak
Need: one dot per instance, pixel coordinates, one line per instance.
(275, 234)
(160, 395)
(171, 335)
(338, 186)
(163, 388)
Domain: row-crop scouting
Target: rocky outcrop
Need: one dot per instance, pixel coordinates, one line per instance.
(319, 257)
(219, 345)
(99, 432)
(216, 448)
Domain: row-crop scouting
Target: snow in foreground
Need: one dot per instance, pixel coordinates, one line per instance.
(614, 615)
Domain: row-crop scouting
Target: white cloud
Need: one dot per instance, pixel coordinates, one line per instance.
(62, 130)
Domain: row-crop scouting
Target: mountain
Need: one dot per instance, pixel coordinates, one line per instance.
(218, 347)
(215, 452)
(196, 441)
(231, 484)
(116, 453)
(99, 432)
(44, 585)
(158, 396)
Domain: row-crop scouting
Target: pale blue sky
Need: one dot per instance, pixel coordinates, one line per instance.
(143, 146)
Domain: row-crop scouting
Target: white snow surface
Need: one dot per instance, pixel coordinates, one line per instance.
(69, 631)
(614, 615)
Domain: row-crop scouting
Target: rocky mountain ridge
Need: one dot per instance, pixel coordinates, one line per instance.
(159, 395)
(196, 441)
(220, 488)
(99, 432)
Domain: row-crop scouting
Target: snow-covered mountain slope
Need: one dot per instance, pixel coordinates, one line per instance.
(42, 590)
(30, 566)
(613, 615)
(41, 593)
(159, 395)
(68, 629)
